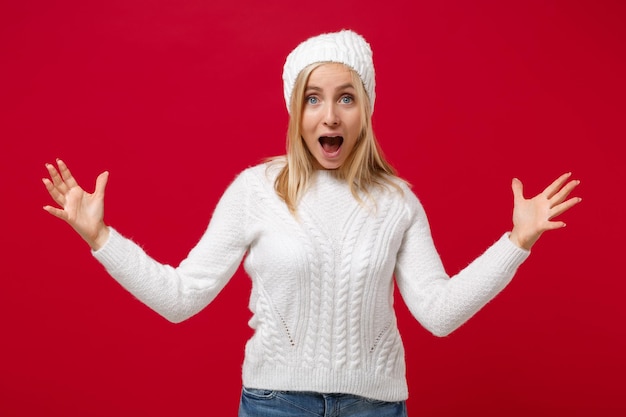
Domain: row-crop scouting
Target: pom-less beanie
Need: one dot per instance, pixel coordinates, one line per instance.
(345, 47)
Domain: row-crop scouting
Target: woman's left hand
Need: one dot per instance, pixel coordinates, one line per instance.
(534, 216)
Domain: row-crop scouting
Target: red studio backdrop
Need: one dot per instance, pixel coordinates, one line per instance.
(175, 97)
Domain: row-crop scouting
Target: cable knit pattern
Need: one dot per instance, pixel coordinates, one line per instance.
(322, 283)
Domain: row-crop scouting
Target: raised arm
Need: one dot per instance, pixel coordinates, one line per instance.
(176, 293)
(532, 217)
(442, 304)
(81, 210)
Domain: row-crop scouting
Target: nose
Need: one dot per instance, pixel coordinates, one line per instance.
(331, 117)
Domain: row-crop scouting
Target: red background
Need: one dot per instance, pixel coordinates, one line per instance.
(174, 98)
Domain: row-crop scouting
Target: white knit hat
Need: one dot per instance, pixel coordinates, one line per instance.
(346, 47)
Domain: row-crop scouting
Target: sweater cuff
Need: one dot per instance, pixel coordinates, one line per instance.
(114, 252)
(508, 255)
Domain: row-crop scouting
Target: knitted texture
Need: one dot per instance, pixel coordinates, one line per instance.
(345, 47)
(322, 283)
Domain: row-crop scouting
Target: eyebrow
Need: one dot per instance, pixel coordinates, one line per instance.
(341, 87)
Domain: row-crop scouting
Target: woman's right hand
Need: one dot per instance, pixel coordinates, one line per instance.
(83, 211)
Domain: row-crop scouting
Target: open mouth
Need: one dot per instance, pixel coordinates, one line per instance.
(331, 144)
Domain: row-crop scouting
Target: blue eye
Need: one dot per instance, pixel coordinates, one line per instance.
(312, 100)
(347, 99)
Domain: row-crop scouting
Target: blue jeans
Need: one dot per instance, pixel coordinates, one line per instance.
(268, 403)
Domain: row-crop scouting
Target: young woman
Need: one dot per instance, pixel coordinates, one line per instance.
(324, 231)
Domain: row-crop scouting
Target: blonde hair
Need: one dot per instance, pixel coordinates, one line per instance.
(365, 166)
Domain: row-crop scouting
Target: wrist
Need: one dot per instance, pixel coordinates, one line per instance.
(519, 241)
(100, 239)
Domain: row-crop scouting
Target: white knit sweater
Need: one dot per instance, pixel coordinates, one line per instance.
(322, 283)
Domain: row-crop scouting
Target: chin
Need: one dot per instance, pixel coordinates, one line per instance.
(328, 165)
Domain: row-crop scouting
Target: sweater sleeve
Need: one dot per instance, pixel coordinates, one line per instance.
(178, 293)
(440, 303)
